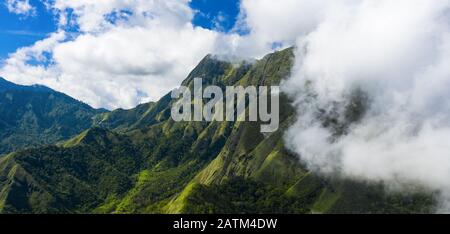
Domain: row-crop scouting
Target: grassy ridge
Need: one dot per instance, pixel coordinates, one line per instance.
(36, 115)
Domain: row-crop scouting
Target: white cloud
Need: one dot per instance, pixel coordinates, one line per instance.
(281, 22)
(91, 15)
(133, 60)
(128, 51)
(397, 52)
(17, 69)
(117, 60)
(20, 7)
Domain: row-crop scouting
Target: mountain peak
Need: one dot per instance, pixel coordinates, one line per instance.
(94, 135)
(6, 85)
(209, 67)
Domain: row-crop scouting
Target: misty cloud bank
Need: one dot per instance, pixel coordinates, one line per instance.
(372, 89)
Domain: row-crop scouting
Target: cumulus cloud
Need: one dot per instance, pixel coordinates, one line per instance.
(281, 22)
(122, 53)
(132, 60)
(20, 7)
(116, 53)
(93, 16)
(371, 86)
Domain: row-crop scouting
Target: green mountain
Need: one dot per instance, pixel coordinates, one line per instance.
(141, 161)
(37, 115)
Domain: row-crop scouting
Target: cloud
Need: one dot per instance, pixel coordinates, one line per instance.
(122, 53)
(24, 33)
(133, 60)
(371, 86)
(116, 53)
(20, 7)
(282, 22)
(92, 16)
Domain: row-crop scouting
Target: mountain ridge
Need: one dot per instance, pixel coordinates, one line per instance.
(6, 85)
(37, 115)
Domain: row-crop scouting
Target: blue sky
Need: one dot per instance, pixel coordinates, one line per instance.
(18, 31)
(213, 12)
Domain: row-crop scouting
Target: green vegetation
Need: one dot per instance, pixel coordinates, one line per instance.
(238, 195)
(36, 115)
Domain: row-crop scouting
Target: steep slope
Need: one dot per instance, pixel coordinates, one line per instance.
(258, 164)
(9, 86)
(37, 115)
(147, 163)
(123, 120)
(74, 177)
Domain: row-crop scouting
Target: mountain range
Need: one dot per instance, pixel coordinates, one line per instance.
(62, 156)
(36, 115)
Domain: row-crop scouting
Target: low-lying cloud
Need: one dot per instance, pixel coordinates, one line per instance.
(395, 56)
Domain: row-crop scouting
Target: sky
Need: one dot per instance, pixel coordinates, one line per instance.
(120, 53)
(55, 43)
(215, 14)
(23, 29)
(18, 30)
